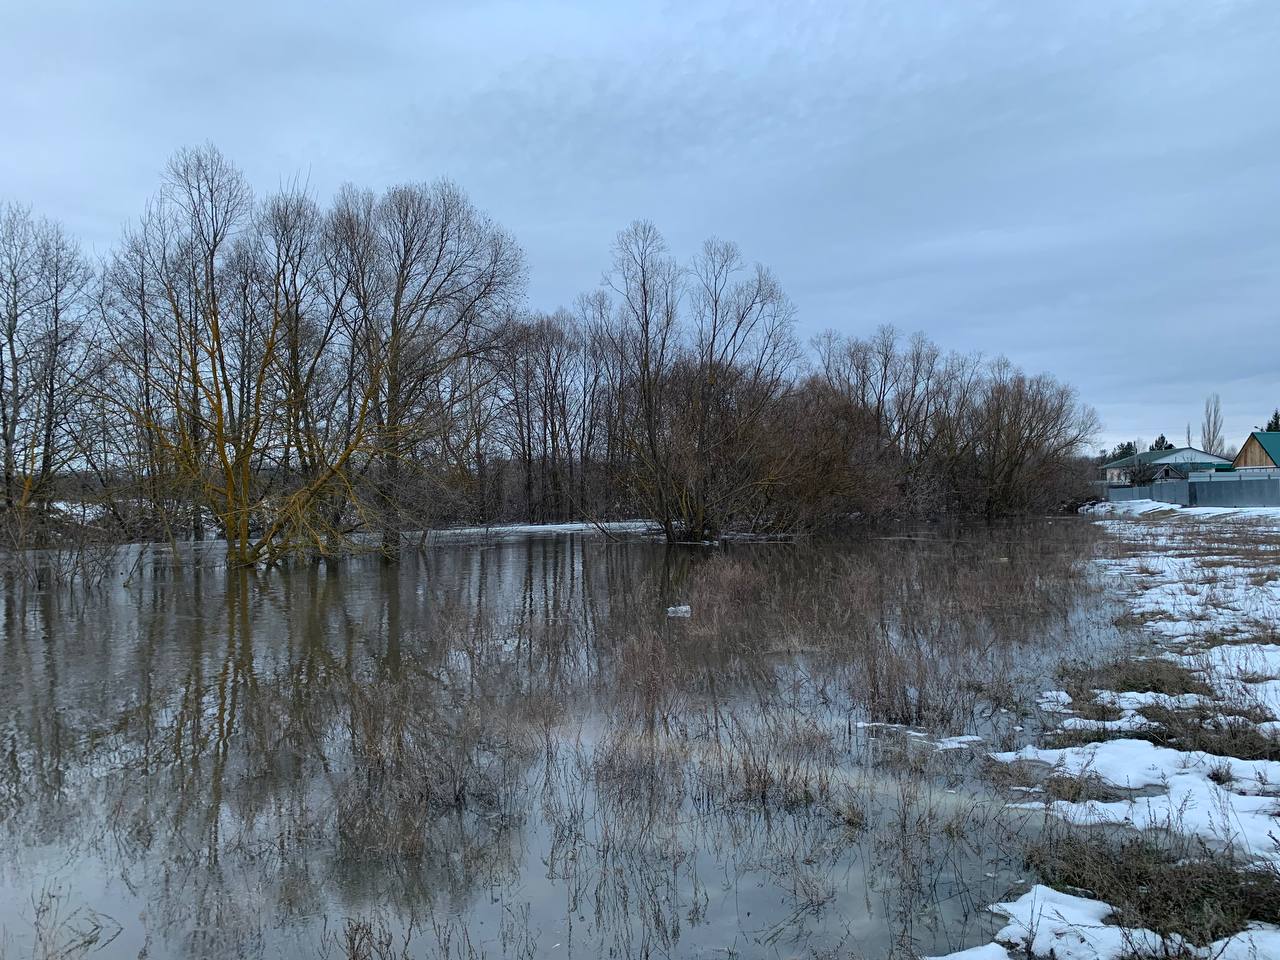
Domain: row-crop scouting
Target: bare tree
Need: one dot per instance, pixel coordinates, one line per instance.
(429, 278)
(1211, 440)
(21, 295)
(302, 380)
(954, 433)
(44, 306)
(645, 341)
(739, 366)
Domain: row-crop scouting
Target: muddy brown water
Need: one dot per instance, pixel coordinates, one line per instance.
(504, 748)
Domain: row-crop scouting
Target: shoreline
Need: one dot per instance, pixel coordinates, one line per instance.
(1203, 598)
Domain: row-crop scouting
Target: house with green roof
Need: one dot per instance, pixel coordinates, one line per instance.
(1260, 452)
(1179, 461)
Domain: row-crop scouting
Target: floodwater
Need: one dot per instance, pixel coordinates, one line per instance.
(506, 748)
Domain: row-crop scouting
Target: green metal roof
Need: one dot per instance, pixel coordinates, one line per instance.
(1147, 456)
(1270, 441)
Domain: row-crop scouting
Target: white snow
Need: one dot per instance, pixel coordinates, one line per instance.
(1044, 922)
(988, 951)
(1241, 813)
(1128, 722)
(1136, 701)
(1057, 701)
(1138, 508)
(1238, 660)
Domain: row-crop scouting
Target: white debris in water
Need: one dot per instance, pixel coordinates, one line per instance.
(955, 743)
(683, 610)
(882, 724)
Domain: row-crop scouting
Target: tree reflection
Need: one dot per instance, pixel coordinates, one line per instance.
(510, 738)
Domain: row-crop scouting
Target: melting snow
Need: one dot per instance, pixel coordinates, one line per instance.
(1194, 607)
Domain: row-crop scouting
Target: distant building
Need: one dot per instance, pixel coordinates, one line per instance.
(1173, 464)
(1260, 452)
(1180, 471)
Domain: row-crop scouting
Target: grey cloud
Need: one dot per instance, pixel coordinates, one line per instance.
(1088, 187)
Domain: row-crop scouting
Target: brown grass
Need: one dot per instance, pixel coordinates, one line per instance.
(1212, 731)
(1133, 675)
(1184, 889)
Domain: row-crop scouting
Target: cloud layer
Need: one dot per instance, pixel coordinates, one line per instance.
(1091, 188)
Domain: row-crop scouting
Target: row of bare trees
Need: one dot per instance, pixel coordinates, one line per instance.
(955, 433)
(300, 379)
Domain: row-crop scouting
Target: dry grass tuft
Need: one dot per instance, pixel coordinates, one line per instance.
(1081, 789)
(1212, 731)
(1184, 889)
(1135, 675)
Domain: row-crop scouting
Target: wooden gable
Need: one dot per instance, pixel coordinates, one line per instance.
(1252, 455)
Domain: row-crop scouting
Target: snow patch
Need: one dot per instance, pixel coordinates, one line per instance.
(1044, 922)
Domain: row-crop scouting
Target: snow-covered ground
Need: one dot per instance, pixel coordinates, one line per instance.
(1141, 508)
(1204, 584)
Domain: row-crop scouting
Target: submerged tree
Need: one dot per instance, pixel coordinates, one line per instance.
(44, 361)
(304, 378)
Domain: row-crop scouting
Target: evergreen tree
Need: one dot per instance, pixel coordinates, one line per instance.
(1273, 425)
(1126, 449)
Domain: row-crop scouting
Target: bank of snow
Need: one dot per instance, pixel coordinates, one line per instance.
(1044, 922)
(1145, 508)
(1223, 801)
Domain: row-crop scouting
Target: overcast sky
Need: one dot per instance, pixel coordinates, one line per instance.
(1091, 188)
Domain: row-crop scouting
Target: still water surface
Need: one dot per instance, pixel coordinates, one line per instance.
(506, 748)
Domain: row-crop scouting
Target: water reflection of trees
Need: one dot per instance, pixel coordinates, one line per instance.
(251, 752)
(222, 724)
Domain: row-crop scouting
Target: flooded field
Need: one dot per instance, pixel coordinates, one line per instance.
(508, 748)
